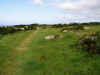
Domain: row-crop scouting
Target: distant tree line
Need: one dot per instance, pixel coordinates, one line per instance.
(70, 24)
(12, 29)
(15, 28)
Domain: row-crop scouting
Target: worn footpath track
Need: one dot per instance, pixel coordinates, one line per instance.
(18, 56)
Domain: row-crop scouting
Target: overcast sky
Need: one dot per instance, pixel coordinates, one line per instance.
(48, 11)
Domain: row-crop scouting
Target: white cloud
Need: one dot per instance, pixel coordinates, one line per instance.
(38, 2)
(88, 8)
(78, 5)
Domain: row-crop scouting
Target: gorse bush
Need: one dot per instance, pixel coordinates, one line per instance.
(70, 28)
(12, 29)
(90, 42)
(7, 30)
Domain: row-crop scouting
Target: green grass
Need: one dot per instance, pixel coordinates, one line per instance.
(56, 57)
(50, 57)
(8, 43)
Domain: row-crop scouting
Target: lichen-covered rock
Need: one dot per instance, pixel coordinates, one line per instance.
(86, 28)
(65, 31)
(51, 37)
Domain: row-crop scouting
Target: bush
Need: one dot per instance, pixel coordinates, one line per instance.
(90, 42)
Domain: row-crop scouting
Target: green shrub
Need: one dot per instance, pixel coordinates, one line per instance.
(90, 42)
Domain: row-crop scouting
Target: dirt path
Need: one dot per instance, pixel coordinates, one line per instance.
(18, 56)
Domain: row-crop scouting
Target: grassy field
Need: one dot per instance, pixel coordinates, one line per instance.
(27, 53)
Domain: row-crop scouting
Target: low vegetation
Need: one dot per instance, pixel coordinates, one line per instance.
(27, 52)
(12, 29)
(90, 42)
